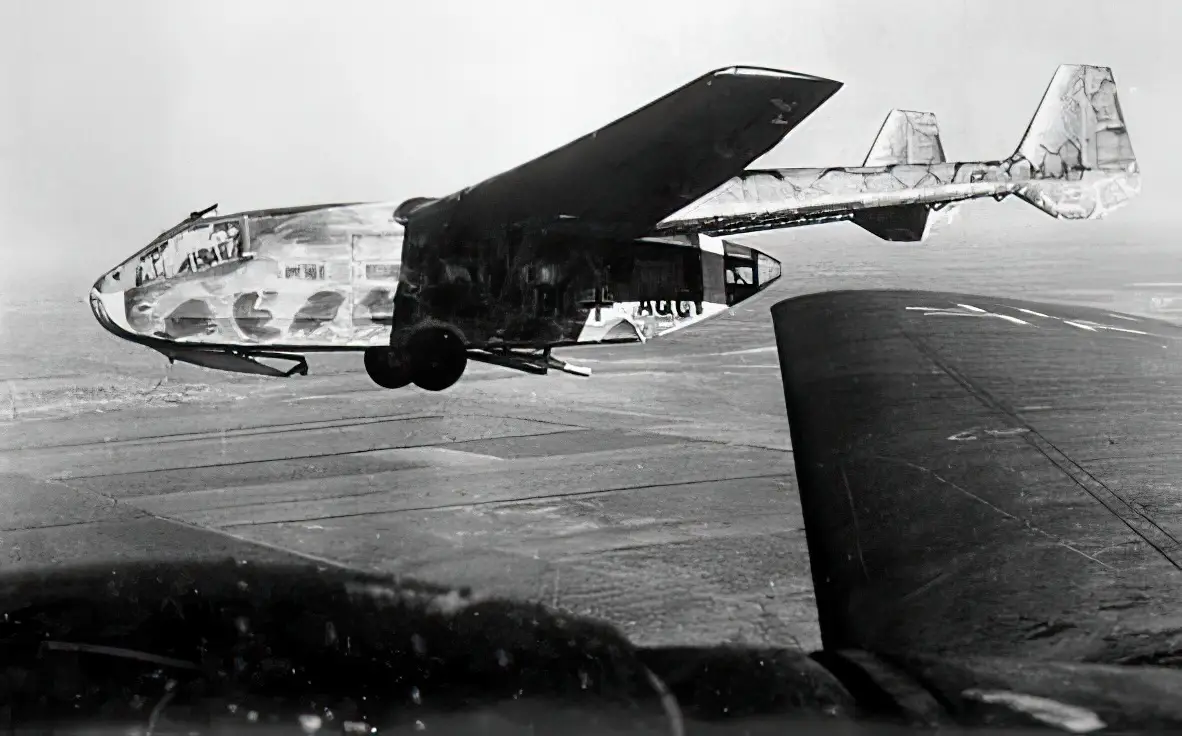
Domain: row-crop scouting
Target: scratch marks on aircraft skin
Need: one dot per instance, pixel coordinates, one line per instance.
(965, 310)
(1095, 326)
(1071, 718)
(975, 433)
(968, 310)
(681, 358)
(749, 351)
(1120, 329)
(1032, 313)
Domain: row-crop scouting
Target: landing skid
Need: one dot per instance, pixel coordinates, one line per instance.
(238, 362)
(537, 362)
(300, 367)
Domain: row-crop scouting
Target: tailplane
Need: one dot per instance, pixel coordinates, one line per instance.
(1074, 162)
(1076, 153)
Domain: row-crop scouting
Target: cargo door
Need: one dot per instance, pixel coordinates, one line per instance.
(377, 266)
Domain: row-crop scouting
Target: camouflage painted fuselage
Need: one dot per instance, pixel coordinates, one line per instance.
(318, 277)
(344, 277)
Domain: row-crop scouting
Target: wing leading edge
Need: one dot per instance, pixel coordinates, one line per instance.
(631, 174)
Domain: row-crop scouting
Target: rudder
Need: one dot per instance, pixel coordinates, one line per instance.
(907, 137)
(1076, 154)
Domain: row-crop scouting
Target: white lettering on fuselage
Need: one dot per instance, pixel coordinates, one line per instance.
(665, 308)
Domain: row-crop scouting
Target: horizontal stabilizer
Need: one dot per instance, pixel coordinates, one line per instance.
(904, 224)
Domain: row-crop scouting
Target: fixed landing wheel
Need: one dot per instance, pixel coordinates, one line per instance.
(384, 370)
(438, 358)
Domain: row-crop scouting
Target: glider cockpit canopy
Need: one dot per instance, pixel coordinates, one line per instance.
(195, 244)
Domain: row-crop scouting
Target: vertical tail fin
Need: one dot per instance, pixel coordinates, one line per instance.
(1076, 152)
(906, 137)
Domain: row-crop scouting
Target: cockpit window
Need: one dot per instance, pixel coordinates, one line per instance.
(768, 269)
(196, 249)
(740, 274)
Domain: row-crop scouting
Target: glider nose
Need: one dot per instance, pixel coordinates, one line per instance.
(107, 308)
(98, 309)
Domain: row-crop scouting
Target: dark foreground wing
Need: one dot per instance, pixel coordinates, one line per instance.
(636, 171)
(983, 476)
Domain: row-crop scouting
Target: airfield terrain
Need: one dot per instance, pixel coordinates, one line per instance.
(659, 494)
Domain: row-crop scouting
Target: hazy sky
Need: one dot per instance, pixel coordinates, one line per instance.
(119, 117)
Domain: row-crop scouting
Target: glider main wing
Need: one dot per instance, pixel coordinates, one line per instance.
(631, 174)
